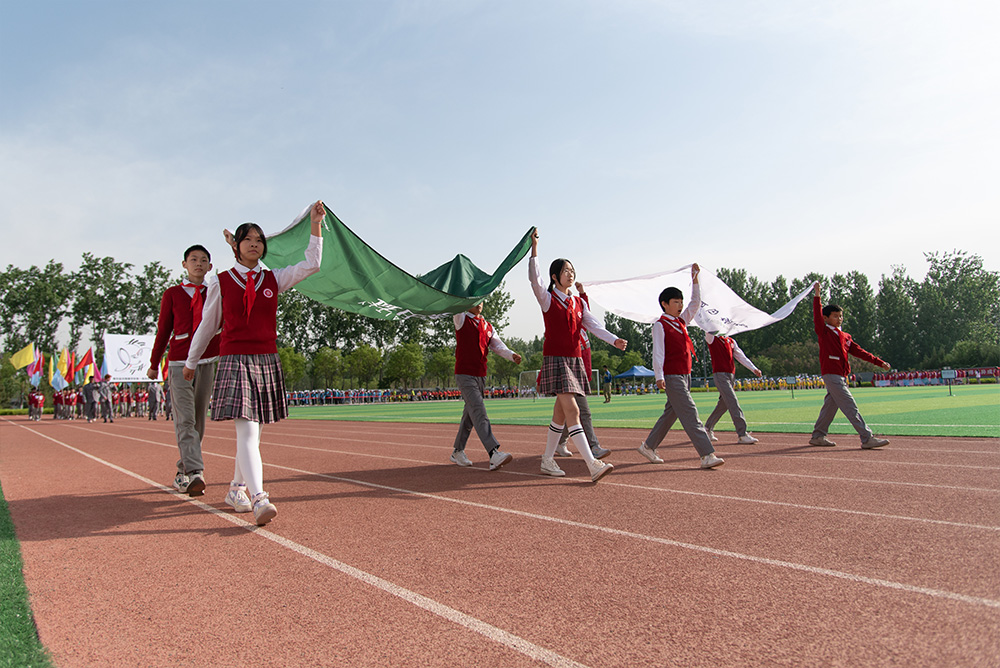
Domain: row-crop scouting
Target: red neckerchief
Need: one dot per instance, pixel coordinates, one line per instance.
(197, 304)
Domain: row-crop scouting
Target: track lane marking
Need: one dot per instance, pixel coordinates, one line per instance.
(814, 570)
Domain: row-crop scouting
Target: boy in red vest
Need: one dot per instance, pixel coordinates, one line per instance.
(672, 351)
(474, 339)
(180, 315)
(725, 352)
(834, 347)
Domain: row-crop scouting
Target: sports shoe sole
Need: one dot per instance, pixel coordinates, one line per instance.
(881, 444)
(240, 509)
(505, 460)
(594, 477)
(266, 515)
(196, 488)
(828, 444)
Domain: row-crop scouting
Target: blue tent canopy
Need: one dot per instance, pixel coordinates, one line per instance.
(636, 372)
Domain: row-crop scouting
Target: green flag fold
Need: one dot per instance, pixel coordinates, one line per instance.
(354, 277)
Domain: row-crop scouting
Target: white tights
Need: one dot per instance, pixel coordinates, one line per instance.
(249, 467)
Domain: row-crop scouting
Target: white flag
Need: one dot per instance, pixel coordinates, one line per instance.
(127, 356)
(722, 311)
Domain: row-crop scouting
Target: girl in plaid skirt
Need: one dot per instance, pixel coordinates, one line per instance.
(249, 385)
(563, 373)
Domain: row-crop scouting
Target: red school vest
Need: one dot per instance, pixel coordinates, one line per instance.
(677, 347)
(472, 346)
(721, 351)
(258, 334)
(563, 323)
(182, 326)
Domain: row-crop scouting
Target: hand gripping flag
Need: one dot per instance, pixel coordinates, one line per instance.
(354, 277)
(722, 311)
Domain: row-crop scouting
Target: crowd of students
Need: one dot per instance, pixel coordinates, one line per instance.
(124, 401)
(336, 397)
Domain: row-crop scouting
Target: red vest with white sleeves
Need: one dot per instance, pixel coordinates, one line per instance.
(563, 323)
(677, 347)
(721, 349)
(258, 333)
(472, 346)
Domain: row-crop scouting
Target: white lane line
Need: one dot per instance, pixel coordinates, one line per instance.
(866, 480)
(667, 490)
(496, 634)
(815, 570)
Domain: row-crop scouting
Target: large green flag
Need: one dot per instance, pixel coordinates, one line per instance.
(354, 277)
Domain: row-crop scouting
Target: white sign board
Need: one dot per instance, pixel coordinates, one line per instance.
(949, 374)
(127, 356)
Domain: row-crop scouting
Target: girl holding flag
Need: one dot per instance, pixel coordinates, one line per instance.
(249, 385)
(563, 373)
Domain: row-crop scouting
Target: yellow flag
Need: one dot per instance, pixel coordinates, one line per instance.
(24, 356)
(63, 362)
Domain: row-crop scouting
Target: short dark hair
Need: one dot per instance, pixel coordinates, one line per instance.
(197, 247)
(670, 293)
(831, 308)
(243, 231)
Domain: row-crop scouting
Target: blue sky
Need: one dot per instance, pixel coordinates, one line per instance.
(782, 137)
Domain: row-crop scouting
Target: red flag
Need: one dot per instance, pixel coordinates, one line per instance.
(37, 365)
(70, 368)
(88, 358)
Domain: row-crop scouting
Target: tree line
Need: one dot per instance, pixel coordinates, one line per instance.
(950, 318)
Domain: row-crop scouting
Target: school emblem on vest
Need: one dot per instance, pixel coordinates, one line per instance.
(268, 293)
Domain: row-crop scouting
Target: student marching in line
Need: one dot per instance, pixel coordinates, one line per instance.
(180, 314)
(672, 352)
(834, 347)
(249, 384)
(725, 352)
(474, 338)
(563, 373)
(581, 399)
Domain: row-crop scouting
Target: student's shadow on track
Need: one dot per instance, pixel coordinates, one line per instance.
(140, 512)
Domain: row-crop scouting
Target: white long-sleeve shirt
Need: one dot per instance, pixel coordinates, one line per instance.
(687, 315)
(544, 297)
(738, 353)
(211, 314)
(496, 345)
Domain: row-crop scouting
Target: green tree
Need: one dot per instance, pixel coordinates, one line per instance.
(853, 293)
(441, 365)
(105, 287)
(405, 363)
(144, 294)
(33, 303)
(496, 308)
(896, 320)
(327, 365)
(293, 364)
(503, 371)
(363, 363)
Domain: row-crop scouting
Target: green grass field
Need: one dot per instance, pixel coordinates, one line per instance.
(19, 644)
(971, 410)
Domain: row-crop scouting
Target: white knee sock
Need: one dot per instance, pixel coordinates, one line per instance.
(580, 441)
(555, 431)
(248, 462)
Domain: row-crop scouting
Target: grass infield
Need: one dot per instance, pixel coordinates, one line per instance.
(19, 644)
(970, 410)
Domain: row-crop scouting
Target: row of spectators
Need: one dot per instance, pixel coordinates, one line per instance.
(336, 397)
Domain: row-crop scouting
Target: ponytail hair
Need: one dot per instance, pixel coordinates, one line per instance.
(556, 268)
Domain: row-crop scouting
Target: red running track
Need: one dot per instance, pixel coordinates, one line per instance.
(385, 554)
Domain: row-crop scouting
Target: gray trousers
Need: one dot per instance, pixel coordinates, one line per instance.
(585, 422)
(838, 396)
(90, 410)
(189, 401)
(727, 402)
(680, 406)
(473, 390)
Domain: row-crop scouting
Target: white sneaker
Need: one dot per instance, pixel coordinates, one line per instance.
(459, 458)
(711, 461)
(181, 482)
(563, 451)
(263, 510)
(874, 442)
(599, 469)
(238, 499)
(498, 459)
(549, 467)
(650, 454)
(822, 440)
(747, 439)
(712, 436)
